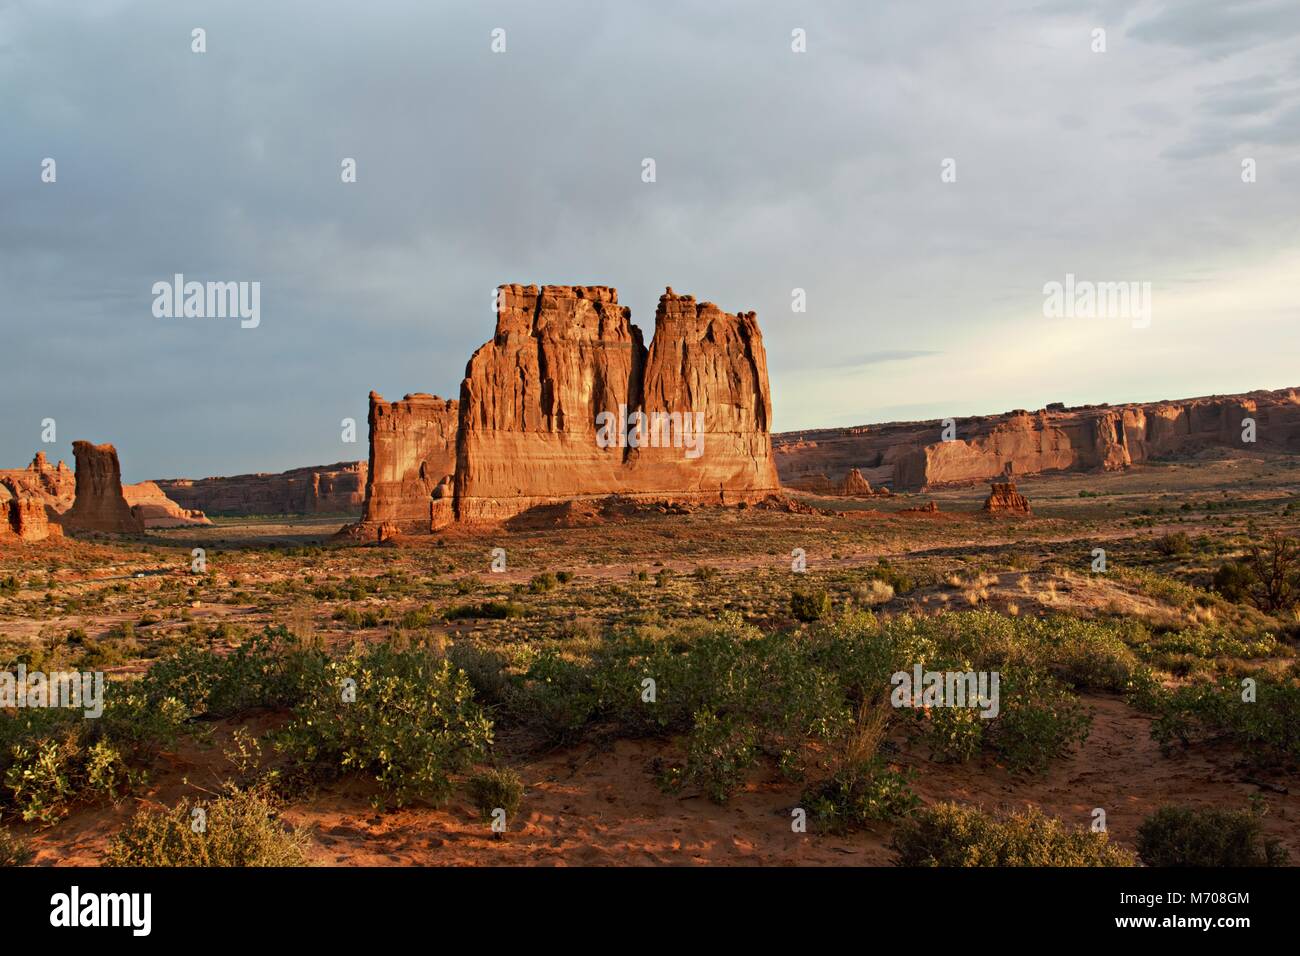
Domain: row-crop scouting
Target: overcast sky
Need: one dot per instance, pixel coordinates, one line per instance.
(775, 170)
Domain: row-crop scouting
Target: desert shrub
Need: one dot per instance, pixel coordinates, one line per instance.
(1185, 836)
(486, 669)
(949, 834)
(663, 576)
(541, 583)
(705, 573)
(13, 850)
(1266, 730)
(272, 669)
(896, 578)
(810, 605)
(487, 610)
(564, 577)
(416, 617)
(722, 750)
(240, 829)
(873, 592)
(52, 759)
(413, 722)
(858, 794)
(1038, 720)
(1173, 545)
(496, 788)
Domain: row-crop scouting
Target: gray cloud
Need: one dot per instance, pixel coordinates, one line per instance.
(775, 171)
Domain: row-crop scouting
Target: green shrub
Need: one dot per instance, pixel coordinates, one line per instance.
(54, 759)
(860, 793)
(1266, 730)
(1184, 836)
(487, 610)
(272, 669)
(413, 722)
(810, 605)
(236, 830)
(13, 851)
(542, 583)
(949, 834)
(498, 788)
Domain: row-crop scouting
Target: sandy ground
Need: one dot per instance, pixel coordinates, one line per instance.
(599, 805)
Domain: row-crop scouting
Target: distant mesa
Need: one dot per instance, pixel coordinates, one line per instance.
(315, 490)
(912, 456)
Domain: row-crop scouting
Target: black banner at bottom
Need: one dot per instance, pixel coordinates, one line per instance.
(350, 905)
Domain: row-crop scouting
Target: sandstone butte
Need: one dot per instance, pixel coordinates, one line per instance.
(1004, 499)
(910, 456)
(523, 434)
(23, 517)
(55, 487)
(99, 504)
(318, 489)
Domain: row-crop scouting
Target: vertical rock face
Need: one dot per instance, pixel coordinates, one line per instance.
(412, 459)
(99, 504)
(543, 405)
(23, 517)
(704, 360)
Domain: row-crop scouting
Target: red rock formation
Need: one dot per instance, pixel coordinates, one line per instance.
(412, 459)
(318, 489)
(23, 517)
(54, 485)
(912, 455)
(156, 510)
(564, 355)
(99, 504)
(1004, 499)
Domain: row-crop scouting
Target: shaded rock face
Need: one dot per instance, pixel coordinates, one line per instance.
(911, 456)
(412, 460)
(563, 357)
(99, 504)
(23, 517)
(1004, 499)
(318, 489)
(156, 510)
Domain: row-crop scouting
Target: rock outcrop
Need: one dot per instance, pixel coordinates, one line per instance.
(319, 489)
(567, 403)
(54, 485)
(912, 456)
(156, 510)
(99, 504)
(1004, 499)
(412, 460)
(23, 517)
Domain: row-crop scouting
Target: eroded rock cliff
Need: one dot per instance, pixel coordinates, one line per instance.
(567, 403)
(412, 460)
(910, 456)
(318, 489)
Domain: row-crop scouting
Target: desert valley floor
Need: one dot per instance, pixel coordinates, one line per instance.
(595, 792)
